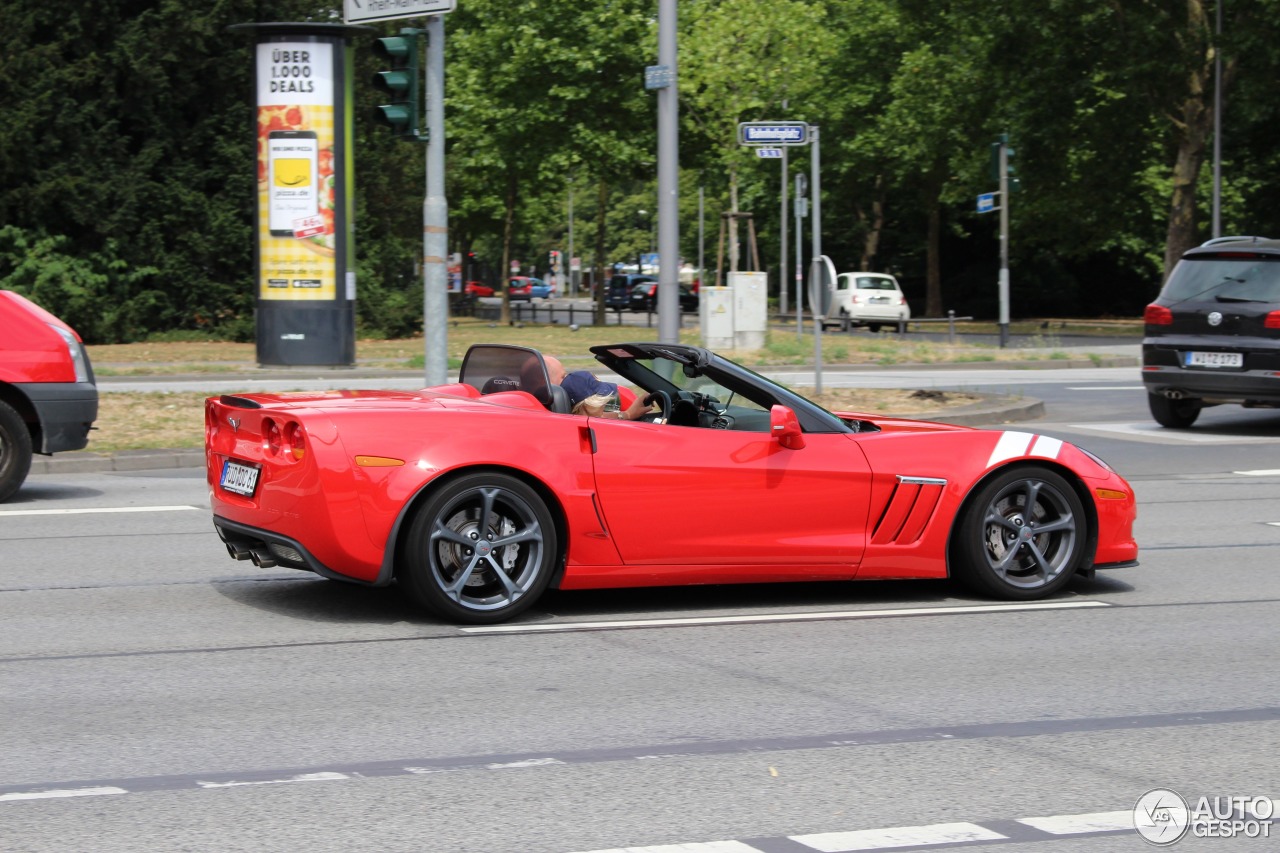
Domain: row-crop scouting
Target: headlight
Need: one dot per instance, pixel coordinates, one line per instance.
(76, 353)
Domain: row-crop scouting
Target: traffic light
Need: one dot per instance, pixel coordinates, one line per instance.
(401, 82)
(1009, 169)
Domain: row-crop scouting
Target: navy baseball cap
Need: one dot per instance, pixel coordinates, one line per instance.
(581, 384)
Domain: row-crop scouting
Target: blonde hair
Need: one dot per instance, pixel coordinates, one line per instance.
(593, 405)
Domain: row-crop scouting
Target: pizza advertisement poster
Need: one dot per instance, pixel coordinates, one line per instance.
(297, 235)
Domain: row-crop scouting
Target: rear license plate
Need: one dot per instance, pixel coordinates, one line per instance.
(1215, 359)
(241, 479)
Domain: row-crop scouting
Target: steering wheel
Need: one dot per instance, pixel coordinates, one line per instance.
(662, 398)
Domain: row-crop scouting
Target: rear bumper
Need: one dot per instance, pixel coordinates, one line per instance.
(66, 411)
(1163, 372)
(268, 549)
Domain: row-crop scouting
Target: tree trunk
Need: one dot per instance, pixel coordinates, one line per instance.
(871, 242)
(933, 263)
(1193, 126)
(603, 273)
(508, 227)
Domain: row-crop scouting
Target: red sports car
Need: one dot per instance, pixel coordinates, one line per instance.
(478, 288)
(476, 497)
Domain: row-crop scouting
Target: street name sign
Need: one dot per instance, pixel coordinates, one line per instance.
(773, 133)
(368, 11)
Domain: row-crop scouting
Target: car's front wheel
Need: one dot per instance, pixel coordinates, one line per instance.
(1174, 414)
(480, 551)
(1022, 536)
(15, 451)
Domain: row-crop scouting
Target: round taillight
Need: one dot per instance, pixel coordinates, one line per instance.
(271, 436)
(295, 440)
(1157, 315)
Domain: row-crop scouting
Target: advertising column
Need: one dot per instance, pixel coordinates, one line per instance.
(305, 258)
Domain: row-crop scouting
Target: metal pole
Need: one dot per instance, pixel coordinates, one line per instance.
(816, 225)
(1003, 286)
(782, 263)
(1217, 121)
(435, 215)
(668, 181)
(568, 262)
(702, 301)
(799, 252)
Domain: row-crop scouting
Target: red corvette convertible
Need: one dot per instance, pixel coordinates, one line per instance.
(476, 497)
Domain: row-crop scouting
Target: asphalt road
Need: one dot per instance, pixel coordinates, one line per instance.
(158, 696)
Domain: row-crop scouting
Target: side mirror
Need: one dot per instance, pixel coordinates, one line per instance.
(785, 427)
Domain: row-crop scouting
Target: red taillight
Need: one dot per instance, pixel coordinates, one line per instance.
(1157, 315)
(271, 437)
(295, 440)
(1272, 321)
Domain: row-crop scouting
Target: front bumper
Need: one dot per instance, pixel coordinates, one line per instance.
(66, 411)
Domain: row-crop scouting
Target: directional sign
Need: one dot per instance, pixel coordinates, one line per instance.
(987, 202)
(367, 11)
(769, 153)
(773, 133)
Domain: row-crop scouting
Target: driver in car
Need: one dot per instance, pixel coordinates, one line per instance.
(591, 396)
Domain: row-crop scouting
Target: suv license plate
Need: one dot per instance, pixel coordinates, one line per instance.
(241, 479)
(1215, 359)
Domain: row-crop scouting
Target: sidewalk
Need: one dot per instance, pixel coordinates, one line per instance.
(993, 410)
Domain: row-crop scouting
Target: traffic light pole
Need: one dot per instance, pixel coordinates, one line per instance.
(435, 216)
(1004, 245)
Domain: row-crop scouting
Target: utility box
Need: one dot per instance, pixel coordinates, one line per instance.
(717, 317)
(750, 309)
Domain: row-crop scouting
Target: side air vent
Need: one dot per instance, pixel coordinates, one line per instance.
(909, 510)
(239, 402)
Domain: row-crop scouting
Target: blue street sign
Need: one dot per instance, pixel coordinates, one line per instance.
(987, 202)
(769, 153)
(773, 133)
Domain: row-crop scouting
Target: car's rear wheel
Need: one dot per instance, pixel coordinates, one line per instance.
(1174, 414)
(479, 551)
(15, 451)
(875, 327)
(1022, 536)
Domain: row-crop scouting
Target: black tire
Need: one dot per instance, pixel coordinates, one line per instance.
(480, 551)
(874, 327)
(1174, 414)
(15, 451)
(1001, 549)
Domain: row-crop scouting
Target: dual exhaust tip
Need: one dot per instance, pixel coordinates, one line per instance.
(261, 557)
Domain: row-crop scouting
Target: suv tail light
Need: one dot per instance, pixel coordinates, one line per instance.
(1272, 321)
(1158, 315)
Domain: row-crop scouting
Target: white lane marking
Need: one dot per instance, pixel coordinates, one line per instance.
(304, 777)
(697, 847)
(686, 621)
(1156, 432)
(98, 510)
(902, 836)
(1262, 472)
(1011, 444)
(1106, 387)
(1076, 824)
(57, 794)
(528, 762)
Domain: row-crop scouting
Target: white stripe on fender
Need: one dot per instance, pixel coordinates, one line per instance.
(1046, 447)
(1010, 446)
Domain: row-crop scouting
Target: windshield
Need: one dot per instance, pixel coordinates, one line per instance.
(1255, 278)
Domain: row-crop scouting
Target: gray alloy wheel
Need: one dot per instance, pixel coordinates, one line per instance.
(1022, 536)
(1174, 414)
(15, 451)
(480, 551)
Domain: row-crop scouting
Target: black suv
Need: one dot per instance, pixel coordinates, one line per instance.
(1213, 334)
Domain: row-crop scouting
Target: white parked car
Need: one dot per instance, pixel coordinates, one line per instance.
(868, 299)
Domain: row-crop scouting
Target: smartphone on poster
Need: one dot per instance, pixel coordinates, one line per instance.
(293, 186)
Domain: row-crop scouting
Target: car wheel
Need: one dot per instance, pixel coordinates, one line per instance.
(1022, 535)
(480, 551)
(1174, 414)
(874, 327)
(15, 451)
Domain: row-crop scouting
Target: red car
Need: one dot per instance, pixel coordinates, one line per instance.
(477, 496)
(477, 288)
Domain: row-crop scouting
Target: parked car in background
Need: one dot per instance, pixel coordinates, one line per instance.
(526, 287)
(477, 288)
(868, 299)
(48, 398)
(644, 297)
(1213, 334)
(618, 291)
